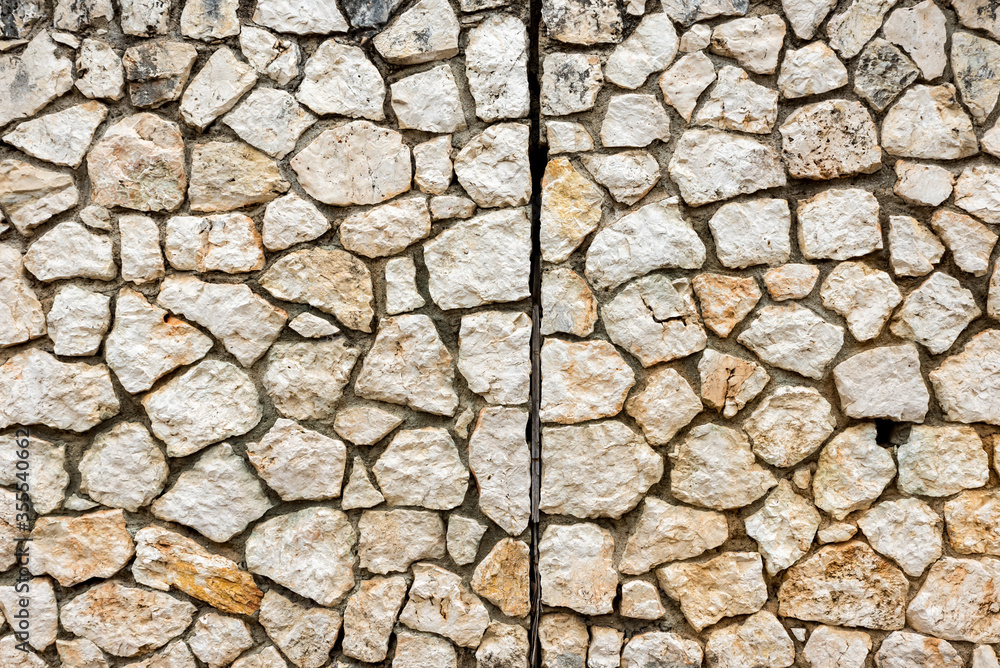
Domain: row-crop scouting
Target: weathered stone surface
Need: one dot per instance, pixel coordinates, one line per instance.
(502, 577)
(493, 355)
(725, 300)
(975, 61)
(927, 185)
(359, 491)
(421, 467)
(575, 563)
(34, 600)
(370, 616)
(210, 19)
(165, 559)
(268, 657)
(493, 166)
(983, 656)
(634, 120)
(936, 313)
(480, 261)
(571, 209)
(650, 48)
(845, 584)
(865, 297)
(300, 17)
(760, 640)
(596, 470)
(851, 29)
(218, 497)
(299, 463)
(33, 78)
(582, 380)
(464, 535)
(563, 638)
(30, 195)
(711, 165)
(664, 406)
(714, 467)
(100, 71)
(627, 175)
(811, 70)
(275, 57)
(70, 250)
(754, 42)
(305, 380)
(18, 658)
(641, 600)
(496, 67)
(36, 388)
(439, 602)
(941, 460)
(211, 401)
(212, 186)
(306, 634)
(81, 653)
(76, 549)
(504, 646)
(139, 164)
(908, 531)
(668, 240)
(965, 392)
(687, 12)
(386, 229)
(666, 532)
(331, 280)
(737, 103)
(401, 293)
(927, 122)
(789, 425)
(582, 21)
(914, 250)
(432, 165)
(391, 540)
(903, 648)
(793, 337)
(271, 120)
(971, 518)
(218, 640)
(660, 648)
(570, 83)
(970, 242)
(142, 260)
(790, 281)
(852, 471)
(922, 32)
(684, 83)
(123, 468)
(426, 31)
(415, 651)
(126, 621)
(839, 224)
(784, 527)
(157, 70)
(217, 86)
(499, 460)
(74, 319)
(831, 647)
(958, 601)
(829, 140)
(729, 383)
(409, 365)
(976, 192)
(144, 17)
(730, 584)
(339, 79)
(45, 476)
(355, 163)
(291, 219)
(61, 138)
(567, 302)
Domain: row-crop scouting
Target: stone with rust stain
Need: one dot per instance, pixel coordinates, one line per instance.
(502, 577)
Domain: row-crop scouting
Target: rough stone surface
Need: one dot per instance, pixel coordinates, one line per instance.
(728, 585)
(666, 532)
(883, 383)
(575, 564)
(852, 471)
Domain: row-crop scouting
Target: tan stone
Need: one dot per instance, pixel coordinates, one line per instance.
(502, 577)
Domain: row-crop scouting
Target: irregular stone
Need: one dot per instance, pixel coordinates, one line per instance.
(61, 138)
(331, 280)
(354, 163)
(440, 603)
(970, 242)
(666, 532)
(583, 380)
(829, 140)
(126, 621)
(754, 42)
(634, 120)
(425, 32)
(839, 224)
(791, 281)
(975, 62)
(339, 79)
(714, 467)
(838, 532)
(984, 657)
(480, 261)
(563, 639)
(370, 616)
(936, 313)
(567, 137)
(386, 229)
(784, 527)
(789, 425)
(605, 647)
(46, 476)
(650, 48)
(570, 83)
(391, 540)
(864, 296)
(415, 651)
(831, 647)
(30, 195)
(76, 549)
(571, 209)
(575, 563)
(165, 559)
(464, 535)
(940, 461)
(927, 122)
(567, 302)
(628, 175)
(272, 56)
(851, 29)
(300, 17)
(145, 17)
(74, 318)
(18, 657)
(582, 21)
(305, 380)
(957, 601)
(123, 468)
(34, 600)
(729, 383)
(36, 388)
(432, 165)
(493, 166)
(793, 337)
(664, 406)
(902, 648)
(421, 467)
(305, 634)
(882, 73)
(139, 164)
(365, 425)
(493, 355)
(711, 165)
(18, 20)
(156, 71)
(271, 120)
(32, 78)
(728, 585)
(993, 300)
(752, 232)
(499, 459)
(502, 577)
(965, 392)
(217, 87)
(451, 206)
(218, 640)
(142, 261)
(760, 640)
(914, 250)
(496, 67)
(696, 38)
(926, 185)
(687, 12)
(908, 531)
(299, 463)
(359, 491)
(223, 242)
(684, 83)
(401, 293)
(70, 250)
(737, 103)
(81, 653)
(641, 600)
(596, 470)
(811, 70)
(852, 472)
(209, 19)
(214, 189)
(268, 657)
(100, 71)
(971, 518)
(291, 219)
(976, 192)
(922, 32)
(503, 646)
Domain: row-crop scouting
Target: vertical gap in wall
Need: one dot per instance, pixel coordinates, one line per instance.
(538, 154)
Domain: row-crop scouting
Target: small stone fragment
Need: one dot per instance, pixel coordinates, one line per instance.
(927, 122)
(496, 67)
(737, 103)
(77, 320)
(359, 491)
(729, 383)
(752, 232)
(432, 165)
(275, 57)
(789, 425)
(667, 532)
(936, 313)
(156, 71)
(754, 42)
(123, 468)
(684, 83)
(370, 616)
(401, 293)
(882, 73)
(711, 165)
(970, 242)
(493, 166)
(291, 219)
(567, 302)
(391, 540)
(582, 380)
(728, 585)
(641, 600)
(628, 175)
(576, 568)
(811, 70)
(439, 602)
(218, 640)
(563, 639)
(791, 281)
(795, 338)
(926, 185)
(464, 535)
(829, 140)
(852, 472)
(838, 532)
(30, 195)
(907, 530)
(664, 406)
(306, 634)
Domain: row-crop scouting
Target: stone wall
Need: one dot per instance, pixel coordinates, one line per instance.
(268, 276)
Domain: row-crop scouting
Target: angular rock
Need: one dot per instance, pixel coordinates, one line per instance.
(299, 463)
(123, 468)
(81, 653)
(72, 322)
(432, 165)
(831, 647)
(223, 242)
(571, 209)
(903, 648)
(76, 549)
(829, 140)
(582, 21)
(218, 640)
(728, 585)
(34, 600)
(958, 600)
(664, 406)
(570, 83)
(650, 48)
(582, 381)
(217, 87)
(940, 461)
(100, 71)
(61, 138)
(493, 355)
(970, 242)
(387, 229)
(305, 634)
(142, 260)
(575, 563)
(926, 185)
(439, 602)
(401, 293)
(641, 600)
(391, 540)
(275, 57)
(300, 17)
(70, 250)
(499, 459)
(789, 425)
(696, 38)
(425, 32)
(214, 189)
(852, 472)
(493, 166)
(291, 219)
(760, 640)
(563, 639)
(464, 535)
(811, 70)
(752, 232)
(496, 67)
(628, 175)
(927, 122)
(975, 62)
(46, 475)
(914, 250)
(271, 120)
(359, 491)
(851, 29)
(339, 79)
(908, 531)
(784, 527)
(305, 380)
(30, 195)
(567, 302)
(975, 192)
(415, 651)
(667, 532)
(737, 103)
(791, 281)
(754, 42)
(156, 71)
(711, 165)
(965, 392)
(421, 467)
(370, 616)
(503, 646)
(936, 313)
(729, 383)
(32, 78)
(657, 647)
(971, 518)
(210, 19)
(502, 577)
(634, 120)
(793, 337)
(921, 31)
(684, 83)
(865, 297)
(145, 17)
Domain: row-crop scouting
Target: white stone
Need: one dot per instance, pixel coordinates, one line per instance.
(737, 103)
(941, 460)
(300, 17)
(123, 468)
(795, 338)
(832, 647)
(914, 250)
(493, 355)
(493, 166)
(359, 492)
(789, 425)
(34, 600)
(667, 532)
(837, 532)
(439, 602)
(711, 165)
(664, 406)
(582, 21)
(214, 189)
(275, 57)
(684, 83)
(499, 460)
(977, 192)
(365, 425)
(650, 48)
(271, 120)
(245, 323)
(927, 122)
(77, 320)
(696, 38)
(567, 137)
(903, 648)
(627, 175)
(728, 585)
(291, 219)
(570, 83)
(634, 120)
(984, 657)
(33, 78)
(975, 63)
(641, 600)
(811, 70)
(426, 31)
(416, 651)
(582, 380)
(100, 71)
(218, 640)
(926, 185)
(226, 242)
(496, 67)
(70, 250)
(563, 638)
(571, 209)
(965, 392)
(147, 344)
(421, 467)
(387, 229)
(61, 138)
(605, 647)
(299, 463)
(839, 224)
(217, 86)
(30, 195)
(754, 42)
(305, 380)
(852, 471)
(464, 535)
(145, 17)
(729, 383)
(503, 645)
(784, 527)
(567, 302)
(958, 601)
(482, 260)
(432, 165)
(908, 531)
(210, 19)
(921, 31)
(851, 29)
(268, 657)
(81, 653)
(210, 401)
(370, 616)
(46, 474)
(22, 317)
(305, 633)
(970, 242)
(401, 293)
(760, 640)
(752, 232)
(829, 140)
(142, 260)
(575, 564)
(936, 313)
(428, 101)
(865, 297)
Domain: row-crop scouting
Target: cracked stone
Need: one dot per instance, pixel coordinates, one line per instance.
(921, 31)
(30, 195)
(729, 383)
(831, 647)
(851, 29)
(370, 616)
(784, 527)
(737, 103)
(339, 79)
(217, 86)
(754, 42)
(223, 242)
(684, 83)
(275, 57)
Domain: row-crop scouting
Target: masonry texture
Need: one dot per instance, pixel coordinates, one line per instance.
(267, 373)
